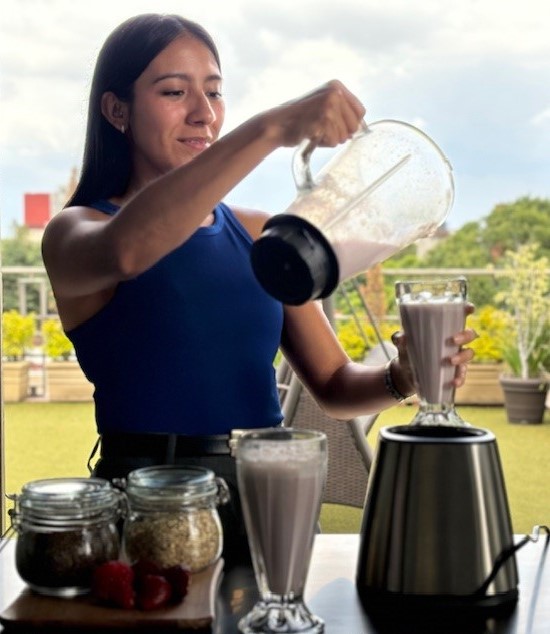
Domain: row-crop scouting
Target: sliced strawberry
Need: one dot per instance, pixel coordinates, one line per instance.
(154, 592)
(112, 583)
(178, 578)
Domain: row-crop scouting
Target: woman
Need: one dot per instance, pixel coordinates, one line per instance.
(151, 271)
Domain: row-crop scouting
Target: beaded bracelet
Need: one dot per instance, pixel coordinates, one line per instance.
(390, 385)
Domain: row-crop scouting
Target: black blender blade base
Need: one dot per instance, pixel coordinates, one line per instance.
(293, 261)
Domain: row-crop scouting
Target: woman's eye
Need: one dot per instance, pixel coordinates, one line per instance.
(211, 94)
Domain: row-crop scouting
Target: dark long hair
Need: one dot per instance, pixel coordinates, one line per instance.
(126, 53)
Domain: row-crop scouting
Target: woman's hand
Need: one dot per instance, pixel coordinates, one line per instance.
(464, 355)
(328, 115)
(405, 381)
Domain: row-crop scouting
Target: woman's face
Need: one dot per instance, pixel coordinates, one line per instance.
(177, 110)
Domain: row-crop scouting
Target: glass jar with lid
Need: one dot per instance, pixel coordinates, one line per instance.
(172, 516)
(65, 527)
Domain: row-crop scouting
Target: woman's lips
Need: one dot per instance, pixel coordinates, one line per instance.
(197, 143)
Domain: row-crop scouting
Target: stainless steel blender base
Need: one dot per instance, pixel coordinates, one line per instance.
(405, 605)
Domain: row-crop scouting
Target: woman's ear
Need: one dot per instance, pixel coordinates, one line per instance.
(115, 111)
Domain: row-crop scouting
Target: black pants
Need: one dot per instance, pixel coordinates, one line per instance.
(235, 543)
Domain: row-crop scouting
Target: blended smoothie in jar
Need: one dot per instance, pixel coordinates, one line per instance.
(367, 252)
(429, 328)
(281, 503)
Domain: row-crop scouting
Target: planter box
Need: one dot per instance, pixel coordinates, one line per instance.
(15, 380)
(65, 381)
(482, 386)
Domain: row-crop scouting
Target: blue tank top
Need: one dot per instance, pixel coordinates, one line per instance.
(188, 346)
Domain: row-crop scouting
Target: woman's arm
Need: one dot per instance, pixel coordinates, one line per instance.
(85, 253)
(343, 388)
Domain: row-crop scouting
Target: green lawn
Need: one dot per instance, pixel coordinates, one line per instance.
(45, 440)
(54, 439)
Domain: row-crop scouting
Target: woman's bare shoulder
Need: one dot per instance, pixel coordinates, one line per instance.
(71, 216)
(252, 220)
(79, 212)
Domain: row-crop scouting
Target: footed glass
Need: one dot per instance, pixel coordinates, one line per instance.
(432, 311)
(281, 476)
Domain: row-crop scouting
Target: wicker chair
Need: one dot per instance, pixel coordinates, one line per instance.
(349, 454)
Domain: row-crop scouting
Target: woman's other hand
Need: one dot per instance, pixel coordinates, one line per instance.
(460, 360)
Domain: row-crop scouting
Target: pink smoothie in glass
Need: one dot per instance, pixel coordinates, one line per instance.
(281, 502)
(429, 328)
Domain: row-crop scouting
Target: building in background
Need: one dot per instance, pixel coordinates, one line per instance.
(40, 207)
(37, 211)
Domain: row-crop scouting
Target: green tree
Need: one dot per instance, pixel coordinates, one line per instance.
(406, 258)
(465, 248)
(525, 221)
(21, 250)
(480, 244)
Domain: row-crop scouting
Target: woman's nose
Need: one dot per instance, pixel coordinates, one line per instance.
(201, 111)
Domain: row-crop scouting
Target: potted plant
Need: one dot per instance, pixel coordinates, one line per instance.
(65, 380)
(527, 354)
(17, 334)
(482, 385)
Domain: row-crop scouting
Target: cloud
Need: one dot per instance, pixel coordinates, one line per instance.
(283, 79)
(542, 118)
(474, 74)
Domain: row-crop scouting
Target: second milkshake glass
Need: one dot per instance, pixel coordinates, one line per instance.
(281, 476)
(432, 311)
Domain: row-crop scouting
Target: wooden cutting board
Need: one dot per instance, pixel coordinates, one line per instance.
(195, 612)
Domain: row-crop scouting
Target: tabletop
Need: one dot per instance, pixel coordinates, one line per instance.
(332, 595)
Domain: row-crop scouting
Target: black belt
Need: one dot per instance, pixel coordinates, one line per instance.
(164, 446)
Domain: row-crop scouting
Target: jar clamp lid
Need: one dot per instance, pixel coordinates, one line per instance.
(57, 501)
(174, 485)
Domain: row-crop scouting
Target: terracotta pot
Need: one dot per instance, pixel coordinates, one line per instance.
(524, 399)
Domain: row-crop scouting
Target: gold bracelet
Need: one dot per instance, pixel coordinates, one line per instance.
(390, 385)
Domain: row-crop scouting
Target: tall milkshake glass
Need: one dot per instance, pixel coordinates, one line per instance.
(432, 311)
(281, 476)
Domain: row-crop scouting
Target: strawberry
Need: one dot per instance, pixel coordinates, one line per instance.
(178, 578)
(154, 592)
(112, 583)
(144, 567)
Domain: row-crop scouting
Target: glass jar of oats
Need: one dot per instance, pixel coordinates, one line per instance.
(65, 527)
(172, 517)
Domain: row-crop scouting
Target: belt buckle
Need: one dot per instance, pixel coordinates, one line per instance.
(234, 439)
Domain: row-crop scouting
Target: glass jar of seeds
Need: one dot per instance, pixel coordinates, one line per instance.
(65, 527)
(173, 518)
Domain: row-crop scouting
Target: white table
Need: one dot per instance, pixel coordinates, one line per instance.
(331, 592)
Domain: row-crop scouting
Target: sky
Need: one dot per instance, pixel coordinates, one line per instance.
(472, 74)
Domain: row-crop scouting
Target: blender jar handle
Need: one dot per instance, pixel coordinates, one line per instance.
(301, 169)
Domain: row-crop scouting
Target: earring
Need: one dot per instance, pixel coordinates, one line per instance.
(122, 129)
